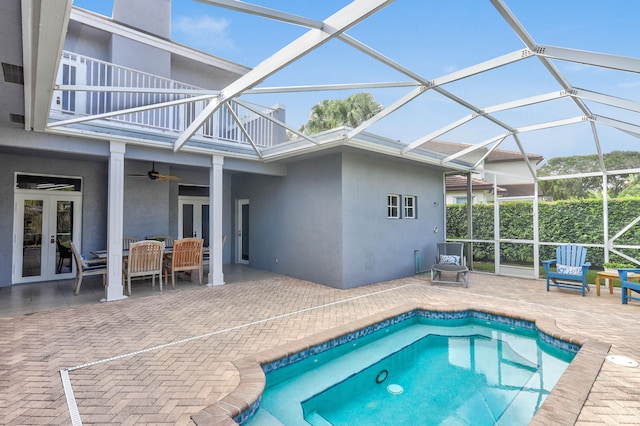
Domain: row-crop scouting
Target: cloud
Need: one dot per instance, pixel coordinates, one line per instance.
(203, 32)
(450, 68)
(630, 85)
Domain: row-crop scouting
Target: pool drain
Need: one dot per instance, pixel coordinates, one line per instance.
(622, 360)
(395, 389)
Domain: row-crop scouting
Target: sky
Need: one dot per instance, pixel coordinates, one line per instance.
(433, 39)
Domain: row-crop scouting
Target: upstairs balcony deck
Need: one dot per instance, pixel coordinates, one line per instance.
(98, 97)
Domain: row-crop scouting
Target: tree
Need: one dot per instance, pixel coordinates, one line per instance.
(332, 113)
(591, 186)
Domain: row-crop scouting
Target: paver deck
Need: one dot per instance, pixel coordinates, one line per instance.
(162, 358)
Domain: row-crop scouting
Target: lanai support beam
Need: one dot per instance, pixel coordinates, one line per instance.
(216, 276)
(115, 216)
(347, 17)
(519, 29)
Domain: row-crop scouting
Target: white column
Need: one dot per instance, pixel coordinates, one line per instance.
(114, 290)
(216, 276)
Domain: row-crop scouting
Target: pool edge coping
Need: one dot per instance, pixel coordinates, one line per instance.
(562, 406)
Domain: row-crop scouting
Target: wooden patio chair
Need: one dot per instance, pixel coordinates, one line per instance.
(628, 286)
(186, 256)
(450, 260)
(126, 242)
(571, 268)
(145, 258)
(87, 268)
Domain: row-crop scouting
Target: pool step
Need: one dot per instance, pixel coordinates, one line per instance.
(316, 419)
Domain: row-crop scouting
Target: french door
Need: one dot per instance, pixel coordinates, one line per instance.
(44, 223)
(193, 218)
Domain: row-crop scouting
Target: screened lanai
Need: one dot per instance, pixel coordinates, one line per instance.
(539, 80)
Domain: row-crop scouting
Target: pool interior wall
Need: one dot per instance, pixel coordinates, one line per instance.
(563, 405)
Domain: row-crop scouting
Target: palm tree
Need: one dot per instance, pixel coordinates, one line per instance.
(352, 112)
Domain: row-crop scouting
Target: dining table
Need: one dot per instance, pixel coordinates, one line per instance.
(103, 254)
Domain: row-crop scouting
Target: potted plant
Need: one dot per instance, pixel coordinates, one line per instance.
(613, 268)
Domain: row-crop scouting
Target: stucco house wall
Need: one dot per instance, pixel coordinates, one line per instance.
(295, 220)
(376, 248)
(326, 221)
(94, 202)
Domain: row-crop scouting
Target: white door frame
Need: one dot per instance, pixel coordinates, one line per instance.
(48, 264)
(197, 202)
(239, 231)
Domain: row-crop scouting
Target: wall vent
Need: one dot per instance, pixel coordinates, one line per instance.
(13, 73)
(16, 118)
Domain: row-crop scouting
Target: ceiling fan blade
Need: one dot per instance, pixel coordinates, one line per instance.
(167, 177)
(154, 175)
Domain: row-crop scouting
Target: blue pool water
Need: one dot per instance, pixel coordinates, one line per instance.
(417, 371)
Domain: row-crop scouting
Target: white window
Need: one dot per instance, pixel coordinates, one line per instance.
(393, 206)
(410, 205)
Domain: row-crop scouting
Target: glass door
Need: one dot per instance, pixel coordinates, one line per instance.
(193, 218)
(43, 226)
(242, 231)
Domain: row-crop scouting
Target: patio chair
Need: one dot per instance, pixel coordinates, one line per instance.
(145, 258)
(87, 268)
(64, 252)
(186, 256)
(126, 242)
(571, 268)
(628, 286)
(168, 239)
(450, 260)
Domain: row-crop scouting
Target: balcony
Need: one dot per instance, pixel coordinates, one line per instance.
(100, 97)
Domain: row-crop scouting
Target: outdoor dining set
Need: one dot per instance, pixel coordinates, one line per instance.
(145, 258)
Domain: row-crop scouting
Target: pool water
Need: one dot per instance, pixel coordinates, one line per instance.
(418, 372)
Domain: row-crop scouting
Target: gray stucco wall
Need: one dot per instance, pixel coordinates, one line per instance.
(296, 220)
(88, 41)
(94, 201)
(377, 248)
(146, 202)
(326, 221)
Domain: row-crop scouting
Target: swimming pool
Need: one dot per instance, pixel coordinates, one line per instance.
(468, 369)
(458, 338)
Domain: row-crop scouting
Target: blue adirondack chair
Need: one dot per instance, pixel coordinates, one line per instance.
(571, 268)
(628, 286)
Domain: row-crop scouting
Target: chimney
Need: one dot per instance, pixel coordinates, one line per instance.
(152, 16)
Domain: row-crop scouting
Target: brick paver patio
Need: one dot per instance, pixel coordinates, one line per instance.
(161, 359)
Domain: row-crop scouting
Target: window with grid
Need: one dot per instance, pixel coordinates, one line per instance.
(410, 205)
(393, 206)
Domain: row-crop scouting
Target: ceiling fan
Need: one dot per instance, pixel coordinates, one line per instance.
(154, 175)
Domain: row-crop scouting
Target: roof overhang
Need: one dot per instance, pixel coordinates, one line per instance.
(44, 27)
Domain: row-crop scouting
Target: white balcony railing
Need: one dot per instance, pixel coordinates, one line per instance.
(77, 70)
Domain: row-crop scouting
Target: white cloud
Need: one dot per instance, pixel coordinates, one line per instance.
(203, 32)
(630, 85)
(450, 68)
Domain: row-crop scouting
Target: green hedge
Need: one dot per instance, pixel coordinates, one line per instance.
(567, 221)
